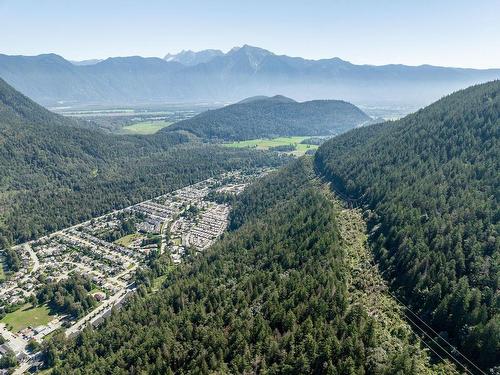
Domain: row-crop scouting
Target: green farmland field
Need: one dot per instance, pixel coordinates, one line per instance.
(265, 144)
(145, 127)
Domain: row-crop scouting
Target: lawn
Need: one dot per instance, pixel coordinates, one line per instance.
(2, 273)
(145, 127)
(127, 240)
(158, 282)
(27, 316)
(95, 290)
(265, 144)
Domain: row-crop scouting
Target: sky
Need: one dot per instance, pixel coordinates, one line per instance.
(438, 32)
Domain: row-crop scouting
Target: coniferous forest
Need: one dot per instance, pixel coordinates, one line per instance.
(431, 184)
(55, 173)
(270, 298)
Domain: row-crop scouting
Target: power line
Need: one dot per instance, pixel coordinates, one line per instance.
(354, 202)
(454, 349)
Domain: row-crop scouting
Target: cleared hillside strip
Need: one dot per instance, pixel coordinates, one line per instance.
(430, 184)
(367, 288)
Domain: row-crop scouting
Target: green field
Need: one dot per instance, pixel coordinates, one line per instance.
(2, 272)
(95, 290)
(27, 316)
(145, 127)
(158, 282)
(127, 240)
(265, 144)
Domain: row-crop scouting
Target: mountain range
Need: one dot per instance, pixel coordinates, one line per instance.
(262, 116)
(213, 76)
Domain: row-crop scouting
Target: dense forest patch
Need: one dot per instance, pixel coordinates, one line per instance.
(273, 117)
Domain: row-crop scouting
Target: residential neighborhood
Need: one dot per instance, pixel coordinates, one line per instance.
(107, 250)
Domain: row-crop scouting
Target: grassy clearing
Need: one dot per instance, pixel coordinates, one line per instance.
(368, 289)
(95, 290)
(158, 282)
(127, 240)
(2, 272)
(265, 144)
(27, 315)
(146, 127)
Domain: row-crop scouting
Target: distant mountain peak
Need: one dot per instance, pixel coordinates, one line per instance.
(191, 58)
(250, 49)
(273, 99)
(254, 55)
(85, 62)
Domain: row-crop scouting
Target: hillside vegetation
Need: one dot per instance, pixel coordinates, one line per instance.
(431, 183)
(262, 117)
(54, 173)
(270, 298)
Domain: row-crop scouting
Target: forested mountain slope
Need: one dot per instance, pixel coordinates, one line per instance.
(270, 298)
(53, 173)
(432, 184)
(260, 117)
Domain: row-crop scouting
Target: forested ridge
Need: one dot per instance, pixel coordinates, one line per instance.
(54, 173)
(431, 185)
(270, 298)
(272, 117)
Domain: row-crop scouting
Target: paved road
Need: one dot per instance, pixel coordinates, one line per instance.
(100, 312)
(34, 257)
(16, 343)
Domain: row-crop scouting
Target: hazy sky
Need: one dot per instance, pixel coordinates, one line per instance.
(439, 32)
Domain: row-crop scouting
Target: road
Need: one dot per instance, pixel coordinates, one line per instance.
(16, 343)
(100, 312)
(34, 258)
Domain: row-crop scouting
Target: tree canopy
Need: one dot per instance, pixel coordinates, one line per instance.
(431, 182)
(54, 173)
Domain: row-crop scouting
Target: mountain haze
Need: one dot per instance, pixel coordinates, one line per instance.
(190, 58)
(242, 72)
(259, 117)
